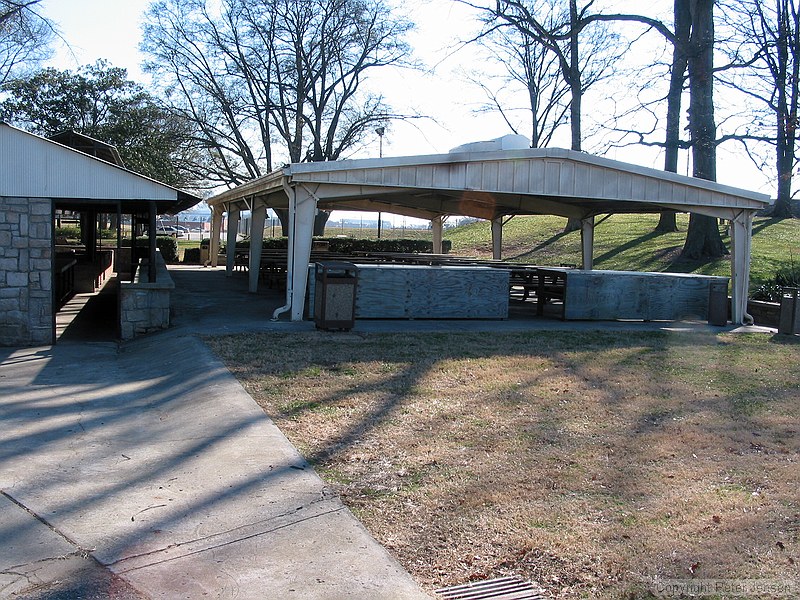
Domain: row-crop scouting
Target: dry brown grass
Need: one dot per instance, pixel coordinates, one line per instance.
(589, 462)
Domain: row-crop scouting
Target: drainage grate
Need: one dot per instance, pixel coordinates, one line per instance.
(504, 588)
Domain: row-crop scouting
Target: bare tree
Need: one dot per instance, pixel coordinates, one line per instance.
(584, 49)
(530, 68)
(24, 36)
(766, 38)
(273, 80)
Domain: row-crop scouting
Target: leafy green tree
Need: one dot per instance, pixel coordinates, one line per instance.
(101, 102)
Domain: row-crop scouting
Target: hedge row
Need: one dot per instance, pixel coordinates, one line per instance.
(167, 244)
(351, 245)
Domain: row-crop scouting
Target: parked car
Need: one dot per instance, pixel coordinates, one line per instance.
(170, 230)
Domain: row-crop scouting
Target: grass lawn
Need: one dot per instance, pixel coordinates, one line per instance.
(590, 462)
(628, 243)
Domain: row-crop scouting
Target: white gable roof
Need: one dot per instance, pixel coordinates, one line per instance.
(489, 184)
(34, 167)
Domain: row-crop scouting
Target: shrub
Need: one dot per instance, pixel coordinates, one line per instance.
(350, 245)
(69, 232)
(784, 277)
(191, 256)
(167, 244)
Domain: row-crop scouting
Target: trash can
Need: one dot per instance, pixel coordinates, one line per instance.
(205, 253)
(789, 319)
(335, 295)
(718, 303)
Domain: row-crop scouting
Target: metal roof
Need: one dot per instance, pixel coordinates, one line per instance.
(493, 184)
(34, 167)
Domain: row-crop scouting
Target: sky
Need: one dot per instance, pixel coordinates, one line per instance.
(111, 29)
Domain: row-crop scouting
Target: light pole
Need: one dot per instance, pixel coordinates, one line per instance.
(380, 131)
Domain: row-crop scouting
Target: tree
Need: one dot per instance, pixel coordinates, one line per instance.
(583, 48)
(273, 80)
(530, 70)
(766, 38)
(702, 237)
(24, 36)
(99, 101)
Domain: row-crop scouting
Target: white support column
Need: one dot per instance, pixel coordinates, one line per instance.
(258, 216)
(302, 210)
(587, 243)
(497, 238)
(230, 242)
(216, 233)
(741, 239)
(437, 224)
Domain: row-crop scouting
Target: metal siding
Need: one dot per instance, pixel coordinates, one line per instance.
(651, 190)
(581, 181)
(490, 176)
(611, 186)
(625, 185)
(374, 176)
(441, 176)
(31, 166)
(425, 176)
(521, 182)
(391, 176)
(408, 176)
(505, 176)
(474, 176)
(458, 176)
(537, 177)
(552, 178)
(567, 176)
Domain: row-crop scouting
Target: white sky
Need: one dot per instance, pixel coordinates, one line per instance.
(110, 29)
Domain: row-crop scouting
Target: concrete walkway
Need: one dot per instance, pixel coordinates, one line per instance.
(146, 471)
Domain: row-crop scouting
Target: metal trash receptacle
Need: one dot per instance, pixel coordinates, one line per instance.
(335, 295)
(205, 251)
(789, 319)
(718, 306)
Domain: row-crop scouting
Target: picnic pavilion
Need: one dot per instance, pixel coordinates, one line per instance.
(39, 180)
(489, 180)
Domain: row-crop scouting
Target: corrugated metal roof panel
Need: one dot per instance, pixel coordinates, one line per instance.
(33, 167)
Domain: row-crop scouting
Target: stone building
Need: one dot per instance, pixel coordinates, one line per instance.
(40, 178)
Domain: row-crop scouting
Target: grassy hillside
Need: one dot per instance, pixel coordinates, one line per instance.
(628, 243)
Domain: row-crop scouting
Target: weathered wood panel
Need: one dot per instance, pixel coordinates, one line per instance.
(387, 291)
(417, 292)
(609, 295)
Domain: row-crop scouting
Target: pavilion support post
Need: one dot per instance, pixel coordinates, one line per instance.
(302, 212)
(230, 242)
(259, 216)
(741, 239)
(216, 233)
(587, 243)
(497, 238)
(151, 253)
(437, 224)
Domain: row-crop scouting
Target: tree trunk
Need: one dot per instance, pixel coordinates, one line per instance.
(787, 109)
(576, 94)
(667, 222)
(703, 239)
(320, 221)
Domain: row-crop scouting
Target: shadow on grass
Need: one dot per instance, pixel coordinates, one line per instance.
(591, 433)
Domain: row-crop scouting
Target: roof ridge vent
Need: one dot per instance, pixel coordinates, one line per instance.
(507, 142)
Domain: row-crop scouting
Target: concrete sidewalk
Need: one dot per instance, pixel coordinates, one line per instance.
(150, 473)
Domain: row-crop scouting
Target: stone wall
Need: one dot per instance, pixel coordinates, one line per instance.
(26, 271)
(144, 306)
